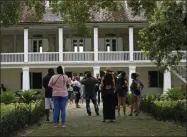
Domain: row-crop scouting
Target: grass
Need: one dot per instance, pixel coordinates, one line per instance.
(79, 124)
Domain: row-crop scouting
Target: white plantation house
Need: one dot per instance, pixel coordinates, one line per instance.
(30, 48)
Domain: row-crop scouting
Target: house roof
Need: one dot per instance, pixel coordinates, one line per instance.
(103, 16)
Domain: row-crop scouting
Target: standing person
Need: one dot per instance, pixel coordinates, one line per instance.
(2, 88)
(89, 83)
(136, 89)
(59, 83)
(122, 83)
(77, 91)
(116, 91)
(97, 89)
(48, 93)
(70, 92)
(108, 85)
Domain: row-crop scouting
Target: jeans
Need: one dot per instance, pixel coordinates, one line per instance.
(94, 101)
(59, 105)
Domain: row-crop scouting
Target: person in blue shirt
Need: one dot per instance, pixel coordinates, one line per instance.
(136, 89)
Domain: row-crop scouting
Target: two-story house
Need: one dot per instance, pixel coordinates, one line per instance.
(30, 48)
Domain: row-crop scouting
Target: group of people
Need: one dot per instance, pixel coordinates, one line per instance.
(113, 89)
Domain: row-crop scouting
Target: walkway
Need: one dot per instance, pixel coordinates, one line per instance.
(79, 124)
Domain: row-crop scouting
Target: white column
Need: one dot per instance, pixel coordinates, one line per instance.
(96, 70)
(25, 45)
(60, 43)
(167, 81)
(132, 69)
(95, 44)
(131, 43)
(26, 79)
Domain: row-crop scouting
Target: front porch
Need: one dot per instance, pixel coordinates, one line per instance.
(31, 77)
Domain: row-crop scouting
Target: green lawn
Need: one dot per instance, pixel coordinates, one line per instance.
(79, 124)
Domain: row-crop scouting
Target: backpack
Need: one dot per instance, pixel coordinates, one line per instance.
(135, 87)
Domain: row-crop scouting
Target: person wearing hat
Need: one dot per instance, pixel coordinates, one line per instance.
(108, 86)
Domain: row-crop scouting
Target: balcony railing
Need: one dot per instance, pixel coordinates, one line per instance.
(117, 56)
(43, 57)
(113, 56)
(78, 56)
(12, 57)
(139, 55)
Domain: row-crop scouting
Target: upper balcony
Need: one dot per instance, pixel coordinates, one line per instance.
(74, 57)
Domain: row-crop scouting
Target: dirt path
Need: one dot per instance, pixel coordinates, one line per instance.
(80, 124)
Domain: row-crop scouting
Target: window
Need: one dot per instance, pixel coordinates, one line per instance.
(36, 45)
(155, 79)
(78, 45)
(110, 44)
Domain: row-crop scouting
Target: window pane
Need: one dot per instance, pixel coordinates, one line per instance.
(75, 49)
(113, 47)
(107, 40)
(108, 48)
(153, 79)
(81, 49)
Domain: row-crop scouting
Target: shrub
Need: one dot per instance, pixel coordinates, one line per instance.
(128, 98)
(165, 110)
(176, 93)
(28, 96)
(8, 97)
(19, 116)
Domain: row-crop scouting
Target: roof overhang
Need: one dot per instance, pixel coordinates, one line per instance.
(125, 24)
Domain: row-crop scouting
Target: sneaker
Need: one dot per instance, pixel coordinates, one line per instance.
(112, 120)
(130, 114)
(63, 125)
(55, 125)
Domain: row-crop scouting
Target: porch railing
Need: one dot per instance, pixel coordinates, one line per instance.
(139, 55)
(78, 56)
(117, 56)
(113, 56)
(12, 57)
(43, 57)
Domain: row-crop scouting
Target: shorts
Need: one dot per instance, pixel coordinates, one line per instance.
(139, 95)
(49, 103)
(70, 95)
(122, 93)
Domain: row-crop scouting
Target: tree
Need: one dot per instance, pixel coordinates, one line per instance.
(78, 12)
(14, 11)
(164, 34)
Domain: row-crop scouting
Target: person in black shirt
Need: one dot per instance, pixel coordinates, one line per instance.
(2, 88)
(89, 83)
(48, 92)
(97, 89)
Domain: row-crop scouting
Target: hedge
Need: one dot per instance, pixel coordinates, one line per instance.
(167, 110)
(20, 115)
